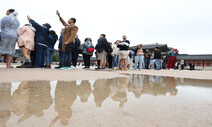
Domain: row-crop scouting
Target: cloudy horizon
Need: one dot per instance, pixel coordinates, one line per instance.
(185, 25)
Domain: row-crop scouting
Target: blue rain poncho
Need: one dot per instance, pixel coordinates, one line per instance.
(9, 25)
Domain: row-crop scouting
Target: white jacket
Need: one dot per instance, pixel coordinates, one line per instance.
(115, 50)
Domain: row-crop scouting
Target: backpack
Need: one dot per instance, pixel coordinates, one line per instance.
(90, 49)
(108, 48)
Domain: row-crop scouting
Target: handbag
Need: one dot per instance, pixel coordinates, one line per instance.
(90, 49)
(70, 47)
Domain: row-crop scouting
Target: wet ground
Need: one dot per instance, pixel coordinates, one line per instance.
(134, 101)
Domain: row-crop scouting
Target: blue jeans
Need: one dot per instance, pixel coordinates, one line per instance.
(60, 57)
(138, 59)
(66, 59)
(146, 61)
(49, 53)
(116, 61)
(40, 55)
(158, 64)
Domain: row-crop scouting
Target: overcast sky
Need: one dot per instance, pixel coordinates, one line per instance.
(182, 24)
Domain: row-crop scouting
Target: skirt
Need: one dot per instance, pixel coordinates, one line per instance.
(171, 62)
(7, 46)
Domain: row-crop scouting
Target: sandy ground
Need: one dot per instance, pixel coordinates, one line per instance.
(18, 75)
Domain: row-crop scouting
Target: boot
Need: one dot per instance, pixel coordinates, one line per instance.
(47, 66)
(27, 65)
(22, 65)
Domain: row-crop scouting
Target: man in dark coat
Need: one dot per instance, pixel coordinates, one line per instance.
(75, 51)
(157, 58)
(41, 43)
(101, 53)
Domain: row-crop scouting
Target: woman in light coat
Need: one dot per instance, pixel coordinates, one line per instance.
(26, 42)
(115, 54)
(9, 25)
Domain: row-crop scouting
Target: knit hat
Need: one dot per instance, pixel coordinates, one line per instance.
(48, 26)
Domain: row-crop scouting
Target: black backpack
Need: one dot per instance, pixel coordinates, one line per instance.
(108, 48)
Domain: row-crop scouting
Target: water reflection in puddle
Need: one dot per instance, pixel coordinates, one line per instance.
(106, 102)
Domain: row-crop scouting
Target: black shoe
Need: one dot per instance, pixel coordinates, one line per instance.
(97, 68)
(22, 65)
(47, 66)
(57, 67)
(26, 65)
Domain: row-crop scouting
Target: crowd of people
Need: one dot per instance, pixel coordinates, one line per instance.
(37, 43)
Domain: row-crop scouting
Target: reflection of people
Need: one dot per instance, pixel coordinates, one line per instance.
(101, 91)
(118, 91)
(35, 97)
(5, 98)
(171, 86)
(84, 91)
(138, 85)
(65, 95)
(20, 99)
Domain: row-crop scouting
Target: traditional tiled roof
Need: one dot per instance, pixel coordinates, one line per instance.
(195, 57)
(163, 47)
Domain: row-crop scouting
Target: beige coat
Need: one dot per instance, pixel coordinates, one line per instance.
(26, 38)
(69, 34)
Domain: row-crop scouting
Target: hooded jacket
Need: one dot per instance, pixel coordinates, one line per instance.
(75, 51)
(101, 45)
(26, 37)
(42, 32)
(9, 25)
(52, 40)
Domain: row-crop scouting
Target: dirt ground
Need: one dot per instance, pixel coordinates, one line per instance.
(18, 75)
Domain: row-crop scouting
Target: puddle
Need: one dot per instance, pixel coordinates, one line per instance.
(132, 101)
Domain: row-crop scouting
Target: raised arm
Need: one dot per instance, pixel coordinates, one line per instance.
(35, 24)
(61, 19)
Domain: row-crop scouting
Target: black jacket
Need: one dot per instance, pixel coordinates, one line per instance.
(157, 54)
(41, 34)
(52, 40)
(101, 45)
(75, 51)
(124, 45)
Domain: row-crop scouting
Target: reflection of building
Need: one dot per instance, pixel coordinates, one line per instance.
(198, 60)
(5, 98)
